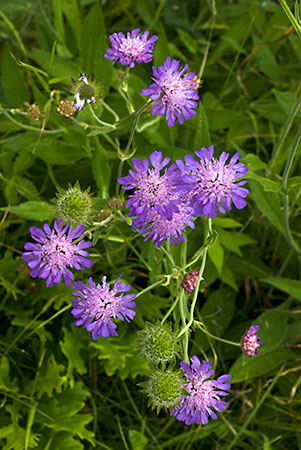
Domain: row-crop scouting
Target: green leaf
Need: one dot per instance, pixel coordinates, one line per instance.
(137, 439)
(32, 210)
(227, 276)
(74, 17)
(13, 80)
(93, 47)
(50, 378)
(63, 412)
(101, 169)
(5, 380)
(216, 254)
(268, 185)
(121, 356)
(273, 328)
(217, 312)
(291, 287)
(59, 153)
(188, 41)
(143, 311)
(202, 136)
(22, 162)
(232, 241)
(25, 187)
(225, 222)
(8, 266)
(253, 162)
(71, 346)
(161, 51)
(268, 203)
(267, 63)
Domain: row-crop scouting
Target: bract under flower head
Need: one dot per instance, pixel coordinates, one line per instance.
(55, 252)
(212, 183)
(203, 394)
(153, 190)
(251, 342)
(132, 49)
(85, 93)
(96, 305)
(174, 93)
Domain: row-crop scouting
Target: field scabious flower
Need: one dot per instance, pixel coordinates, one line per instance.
(96, 305)
(251, 342)
(132, 49)
(213, 184)
(174, 93)
(55, 252)
(153, 190)
(85, 93)
(203, 394)
(190, 280)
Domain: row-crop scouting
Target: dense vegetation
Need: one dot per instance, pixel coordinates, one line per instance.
(59, 388)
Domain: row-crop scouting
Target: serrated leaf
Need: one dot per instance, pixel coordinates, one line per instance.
(8, 266)
(74, 341)
(10, 192)
(25, 187)
(22, 162)
(50, 378)
(291, 287)
(32, 210)
(5, 381)
(121, 356)
(64, 414)
(143, 310)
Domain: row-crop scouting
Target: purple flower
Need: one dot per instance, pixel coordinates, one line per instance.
(154, 192)
(176, 93)
(134, 48)
(203, 395)
(55, 252)
(211, 183)
(190, 280)
(251, 342)
(96, 305)
(159, 229)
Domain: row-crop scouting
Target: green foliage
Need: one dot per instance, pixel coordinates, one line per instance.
(60, 390)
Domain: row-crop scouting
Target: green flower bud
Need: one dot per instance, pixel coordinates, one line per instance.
(163, 389)
(158, 343)
(74, 205)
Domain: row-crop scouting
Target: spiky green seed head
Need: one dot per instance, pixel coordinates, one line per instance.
(163, 388)
(74, 205)
(86, 91)
(157, 343)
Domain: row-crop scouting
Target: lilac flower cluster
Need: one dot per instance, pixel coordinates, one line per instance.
(251, 342)
(203, 394)
(132, 49)
(163, 205)
(174, 92)
(95, 305)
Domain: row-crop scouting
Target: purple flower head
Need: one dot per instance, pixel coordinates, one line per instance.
(153, 190)
(212, 183)
(160, 229)
(132, 49)
(190, 280)
(251, 342)
(96, 305)
(176, 93)
(54, 252)
(203, 395)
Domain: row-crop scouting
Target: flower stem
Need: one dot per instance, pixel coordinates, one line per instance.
(152, 286)
(202, 327)
(128, 146)
(196, 290)
(104, 124)
(108, 108)
(291, 17)
(183, 318)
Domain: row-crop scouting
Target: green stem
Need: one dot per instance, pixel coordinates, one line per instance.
(183, 318)
(104, 124)
(196, 290)
(286, 172)
(291, 17)
(204, 329)
(128, 146)
(152, 286)
(170, 310)
(28, 127)
(108, 108)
